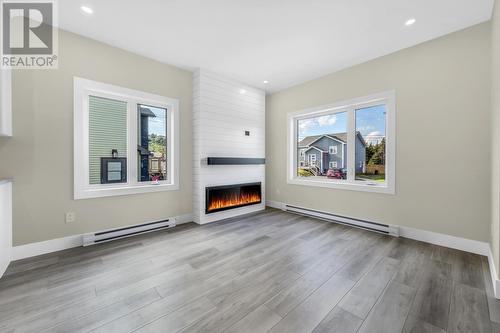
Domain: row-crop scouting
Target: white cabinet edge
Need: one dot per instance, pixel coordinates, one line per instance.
(5, 102)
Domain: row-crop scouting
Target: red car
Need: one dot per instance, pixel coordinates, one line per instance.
(337, 173)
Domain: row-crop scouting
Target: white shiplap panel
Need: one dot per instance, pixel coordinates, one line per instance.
(227, 82)
(230, 93)
(221, 115)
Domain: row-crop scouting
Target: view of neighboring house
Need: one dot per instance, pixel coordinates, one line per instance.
(329, 151)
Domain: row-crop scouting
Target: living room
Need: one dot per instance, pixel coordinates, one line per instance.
(233, 166)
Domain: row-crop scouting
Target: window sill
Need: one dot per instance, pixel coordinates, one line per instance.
(111, 191)
(343, 185)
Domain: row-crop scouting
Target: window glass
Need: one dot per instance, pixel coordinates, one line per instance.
(107, 139)
(324, 142)
(370, 144)
(152, 143)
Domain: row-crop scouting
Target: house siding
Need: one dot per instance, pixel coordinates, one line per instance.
(340, 157)
(107, 131)
(360, 155)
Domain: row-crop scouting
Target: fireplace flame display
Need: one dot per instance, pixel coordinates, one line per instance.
(232, 196)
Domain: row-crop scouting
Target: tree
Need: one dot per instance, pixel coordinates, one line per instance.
(157, 143)
(378, 157)
(370, 150)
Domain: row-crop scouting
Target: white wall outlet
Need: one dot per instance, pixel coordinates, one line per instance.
(70, 217)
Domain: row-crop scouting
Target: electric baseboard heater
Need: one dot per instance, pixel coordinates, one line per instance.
(358, 223)
(110, 235)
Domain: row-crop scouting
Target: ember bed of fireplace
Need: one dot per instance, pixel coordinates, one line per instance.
(220, 198)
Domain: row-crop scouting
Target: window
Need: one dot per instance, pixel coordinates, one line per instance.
(152, 143)
(332, 150)
(360, 133)
(126, 141)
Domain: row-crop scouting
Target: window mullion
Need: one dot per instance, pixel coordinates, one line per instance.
(351, 145)
(132, 142)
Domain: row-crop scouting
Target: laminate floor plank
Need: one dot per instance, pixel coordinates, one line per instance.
(260, 320)
(432, 302)
(367, 290)
(415, 325)
(389, 313)
(272, 271)
(306, 316)
(339, 321)
(468, 311)
(158, 317)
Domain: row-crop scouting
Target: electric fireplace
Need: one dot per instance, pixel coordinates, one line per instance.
(219, 198)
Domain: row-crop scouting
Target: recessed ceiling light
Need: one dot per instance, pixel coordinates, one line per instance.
(410, 22)
(86, 10)
(242, 91)
(266, 82)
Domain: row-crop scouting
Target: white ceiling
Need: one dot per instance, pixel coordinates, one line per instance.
(284, 41)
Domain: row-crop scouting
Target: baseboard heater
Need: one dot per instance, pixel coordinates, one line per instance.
(353, 222)
(110, 235)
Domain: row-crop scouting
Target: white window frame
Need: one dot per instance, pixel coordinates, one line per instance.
(332, 165)
(84, 88)
(332, 150)
(350, 106)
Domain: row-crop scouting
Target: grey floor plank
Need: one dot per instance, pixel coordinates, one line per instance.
(468, 270)
(432, 302)
(172, 322)
(290, 297)
(389, 313)
(414, 324)
(267, 271)
(95, 319)
(339, 321)
(469, 310)
(260, 320)
(233, 306)
(367, 290)
(306, 316)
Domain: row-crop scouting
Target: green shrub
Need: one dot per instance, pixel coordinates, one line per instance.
(304, 173)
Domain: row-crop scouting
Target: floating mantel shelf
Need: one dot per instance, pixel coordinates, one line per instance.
(235, 161)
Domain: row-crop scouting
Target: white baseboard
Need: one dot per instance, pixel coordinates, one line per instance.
(39, 248)
(458, 243)
(275, 204)
(58, 244)
(186, 218)
(4, 265)
(494, 275)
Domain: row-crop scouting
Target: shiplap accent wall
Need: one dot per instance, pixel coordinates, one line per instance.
(223, 109)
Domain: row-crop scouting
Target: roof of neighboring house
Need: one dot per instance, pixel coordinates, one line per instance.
(147, 112)
(308, 140)
(312, 147)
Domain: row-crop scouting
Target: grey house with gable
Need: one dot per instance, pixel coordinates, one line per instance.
(329, 151)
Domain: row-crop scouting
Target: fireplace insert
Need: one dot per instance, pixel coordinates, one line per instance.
(219, 198)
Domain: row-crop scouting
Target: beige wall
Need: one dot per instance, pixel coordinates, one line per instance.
(443, 137)
(495, 101)
(40, 155)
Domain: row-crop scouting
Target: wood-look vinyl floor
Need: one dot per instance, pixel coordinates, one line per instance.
(268, 272)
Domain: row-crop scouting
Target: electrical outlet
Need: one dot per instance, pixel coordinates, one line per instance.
(70, 217)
